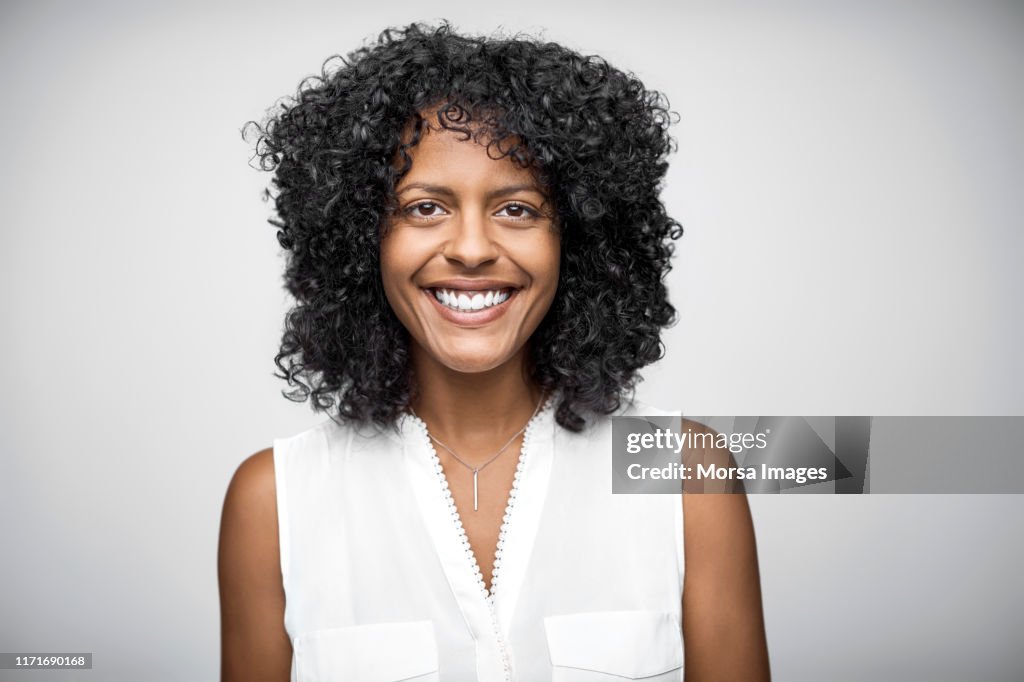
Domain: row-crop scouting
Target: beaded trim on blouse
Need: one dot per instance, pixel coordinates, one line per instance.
(505, 520)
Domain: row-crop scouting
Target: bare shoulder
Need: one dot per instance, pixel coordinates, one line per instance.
(713, 508)
(253, 484)
(249, 518)
(696, 426)
(705, 448)
(254, 643)
(721, 593)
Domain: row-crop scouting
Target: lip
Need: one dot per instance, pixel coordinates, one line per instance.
(471, 318)
(467, 284)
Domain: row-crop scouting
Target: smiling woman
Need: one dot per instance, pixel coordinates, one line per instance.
(477, 250)
(470, 260)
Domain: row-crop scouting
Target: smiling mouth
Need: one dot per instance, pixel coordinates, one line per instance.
(464, 301)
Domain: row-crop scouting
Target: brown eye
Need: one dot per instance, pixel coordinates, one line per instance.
(517, 211)
(426, 209)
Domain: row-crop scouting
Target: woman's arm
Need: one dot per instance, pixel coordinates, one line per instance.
(254, 644)
(723, 623)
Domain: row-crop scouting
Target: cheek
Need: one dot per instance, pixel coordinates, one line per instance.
(388, 267)
(546, 264)
(397, 265)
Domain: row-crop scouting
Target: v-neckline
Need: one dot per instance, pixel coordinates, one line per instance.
(519, 521)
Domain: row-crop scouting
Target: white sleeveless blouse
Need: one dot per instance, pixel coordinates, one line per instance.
(381, 585)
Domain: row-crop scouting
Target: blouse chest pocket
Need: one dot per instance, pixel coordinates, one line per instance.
(381, 652)
(615, 645)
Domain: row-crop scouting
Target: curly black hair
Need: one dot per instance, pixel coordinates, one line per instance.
(592, 134)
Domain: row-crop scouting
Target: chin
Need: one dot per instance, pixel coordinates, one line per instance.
(473, 361)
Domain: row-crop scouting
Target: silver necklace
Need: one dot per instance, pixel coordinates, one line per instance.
(477, 469)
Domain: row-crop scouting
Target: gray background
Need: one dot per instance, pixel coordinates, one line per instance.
(849, 178)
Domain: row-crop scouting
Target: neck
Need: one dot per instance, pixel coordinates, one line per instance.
(477, 411)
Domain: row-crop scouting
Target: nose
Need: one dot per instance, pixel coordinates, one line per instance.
(470, 241)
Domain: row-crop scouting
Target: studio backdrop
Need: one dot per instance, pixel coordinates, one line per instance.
(848, 178)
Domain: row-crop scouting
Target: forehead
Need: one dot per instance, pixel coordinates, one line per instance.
(468, 154)
(448, 153)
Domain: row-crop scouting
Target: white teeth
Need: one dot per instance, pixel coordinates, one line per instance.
(477, 301)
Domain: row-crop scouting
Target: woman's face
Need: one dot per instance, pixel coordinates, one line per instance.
(470, 262)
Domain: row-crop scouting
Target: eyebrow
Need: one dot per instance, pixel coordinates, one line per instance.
(447, 191)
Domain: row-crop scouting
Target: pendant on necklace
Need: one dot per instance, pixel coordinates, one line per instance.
(476, 470)
(474, 489)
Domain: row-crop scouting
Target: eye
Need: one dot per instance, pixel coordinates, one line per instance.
(517, 212)
(425, 209)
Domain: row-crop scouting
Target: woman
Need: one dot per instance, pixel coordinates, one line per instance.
(477, 249)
